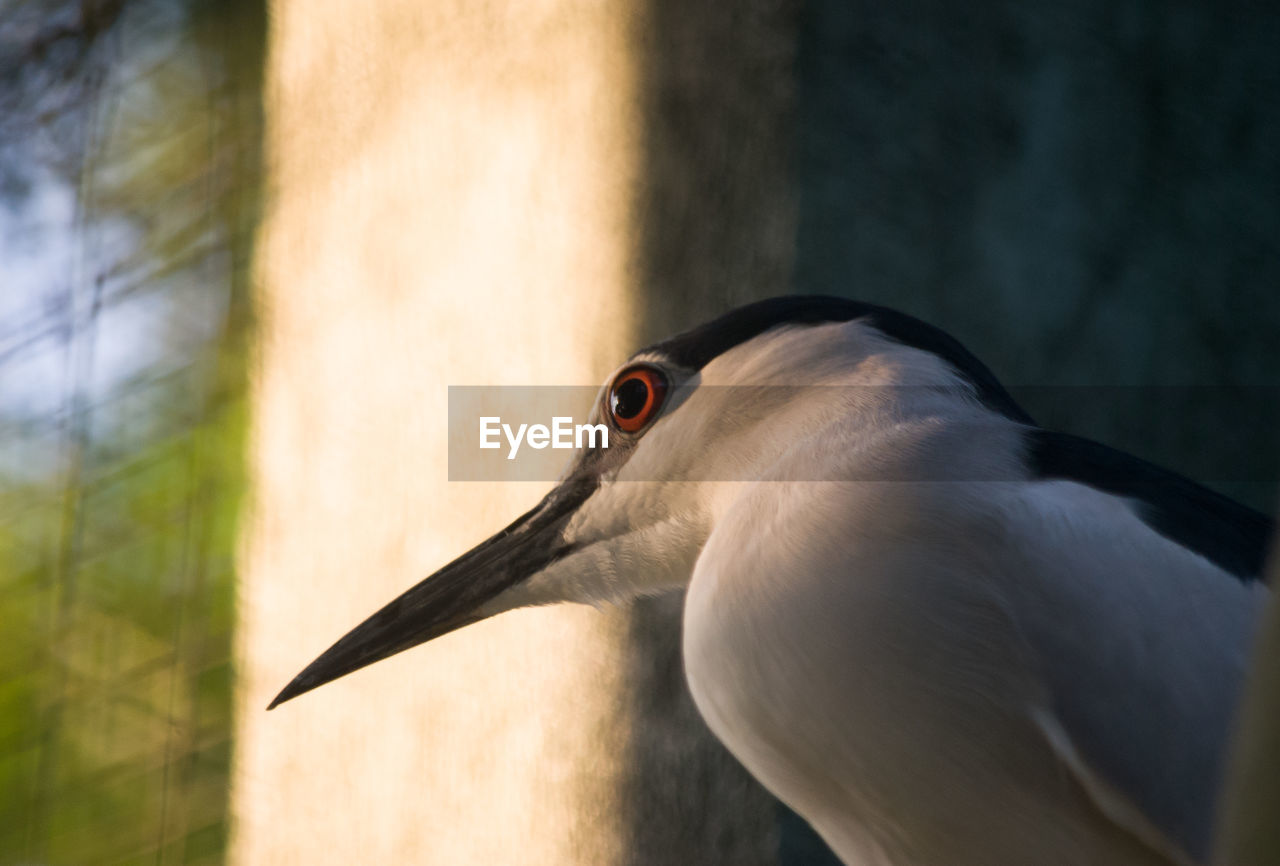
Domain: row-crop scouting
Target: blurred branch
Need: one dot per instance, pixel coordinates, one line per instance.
(49, 69)
(95, 19)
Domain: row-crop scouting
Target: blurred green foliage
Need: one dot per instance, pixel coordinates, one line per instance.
(119, 493)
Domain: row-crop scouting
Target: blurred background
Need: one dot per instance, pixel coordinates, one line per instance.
(216, 381)
(129, 180)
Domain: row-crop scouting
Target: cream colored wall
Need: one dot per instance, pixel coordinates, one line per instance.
(454, 191)
(448, 192)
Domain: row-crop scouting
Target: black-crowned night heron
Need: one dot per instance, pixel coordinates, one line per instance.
(942, 634)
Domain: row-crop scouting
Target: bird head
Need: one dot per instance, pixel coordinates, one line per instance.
(690, 419)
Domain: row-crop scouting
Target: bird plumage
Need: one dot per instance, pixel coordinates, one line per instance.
(952, 608)
(940, 634)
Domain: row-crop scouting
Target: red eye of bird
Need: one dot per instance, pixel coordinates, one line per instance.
(636, 397)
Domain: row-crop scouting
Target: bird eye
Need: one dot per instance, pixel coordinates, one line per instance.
(636, 397)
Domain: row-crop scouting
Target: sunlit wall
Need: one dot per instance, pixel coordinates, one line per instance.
(454, 200)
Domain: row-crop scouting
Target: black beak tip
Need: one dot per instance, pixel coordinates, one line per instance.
(296, 687)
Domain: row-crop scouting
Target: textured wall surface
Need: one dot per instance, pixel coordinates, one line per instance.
(524, 195)
(456, 215)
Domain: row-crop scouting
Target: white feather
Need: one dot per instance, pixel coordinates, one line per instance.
(933, 657)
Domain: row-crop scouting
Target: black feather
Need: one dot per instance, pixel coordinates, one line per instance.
(1231, 535)
(1234, 537)
(694, 349)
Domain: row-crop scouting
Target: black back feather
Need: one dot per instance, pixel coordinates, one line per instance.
(1233, 536)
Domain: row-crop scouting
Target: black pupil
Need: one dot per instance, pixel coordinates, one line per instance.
(629, 398)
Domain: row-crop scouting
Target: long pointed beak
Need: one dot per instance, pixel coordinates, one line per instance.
(454, 595)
